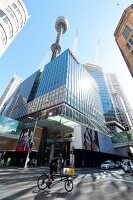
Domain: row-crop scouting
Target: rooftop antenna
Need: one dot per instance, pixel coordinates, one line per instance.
(61, 26)
(97, 51)
(75, 42)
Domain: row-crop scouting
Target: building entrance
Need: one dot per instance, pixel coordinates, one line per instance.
(53, 143)
(60, 148)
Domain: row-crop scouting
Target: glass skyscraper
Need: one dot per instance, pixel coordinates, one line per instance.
(75, 87)
(66, 102)
(97, 73)
(121, 104)
(21, 96)
(64, 88)
(12, 86)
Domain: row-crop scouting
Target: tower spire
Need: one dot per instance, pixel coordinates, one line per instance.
(75, 42)
(61, 26)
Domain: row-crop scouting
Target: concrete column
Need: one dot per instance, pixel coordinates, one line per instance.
(51, 152)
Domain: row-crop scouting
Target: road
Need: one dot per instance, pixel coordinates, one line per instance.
(89, 184)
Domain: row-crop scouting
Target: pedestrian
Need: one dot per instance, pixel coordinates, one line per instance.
(2, 162)
(8, 161)
(33, 162)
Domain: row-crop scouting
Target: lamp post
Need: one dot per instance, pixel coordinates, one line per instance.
(31, 142)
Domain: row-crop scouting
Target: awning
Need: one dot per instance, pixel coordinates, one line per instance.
(58, 123)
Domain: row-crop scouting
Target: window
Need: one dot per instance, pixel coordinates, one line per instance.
(18, 12)
(2, 36)
(22, 9)
(126, 32)
(131, 41)
(2, 14)
(128, 46)
(13, 16)
(7, 21)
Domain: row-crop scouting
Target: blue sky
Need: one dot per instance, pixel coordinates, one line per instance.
(94, 19)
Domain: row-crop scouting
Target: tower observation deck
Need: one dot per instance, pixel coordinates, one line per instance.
(61, 26)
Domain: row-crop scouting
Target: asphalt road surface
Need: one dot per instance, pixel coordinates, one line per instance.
(89, 184)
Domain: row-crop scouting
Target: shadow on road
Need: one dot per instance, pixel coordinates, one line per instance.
(60, 192)
(18, 195)
(90, 185)
(49, 195)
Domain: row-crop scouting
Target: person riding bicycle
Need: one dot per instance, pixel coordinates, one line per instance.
(56, 163)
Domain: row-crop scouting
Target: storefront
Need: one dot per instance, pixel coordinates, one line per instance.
(93, 147)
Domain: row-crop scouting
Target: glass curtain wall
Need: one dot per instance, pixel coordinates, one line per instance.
(97, 73)
(64, 83)
(17, 104)
(83, 93)
(54, 75)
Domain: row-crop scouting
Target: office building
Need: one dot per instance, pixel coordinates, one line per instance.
(13, 17)
(23, 94)
(120, 102)
(64, 101)
(62, 83)
(97, 73)
(12, 86)
(124, 37)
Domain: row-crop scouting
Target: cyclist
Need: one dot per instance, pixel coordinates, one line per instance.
(56, 163)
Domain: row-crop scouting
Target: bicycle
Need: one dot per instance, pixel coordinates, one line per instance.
(68, 183)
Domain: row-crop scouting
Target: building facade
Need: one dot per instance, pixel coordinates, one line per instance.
(13, 16)
(62, 97)
(97, 73)
(124, 37)
(22, 95)
(64, 101)
(63, 83)
(12, 86)
(121, 104)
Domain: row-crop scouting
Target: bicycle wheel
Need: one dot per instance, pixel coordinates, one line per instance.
(42, 180)
(68, 185)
